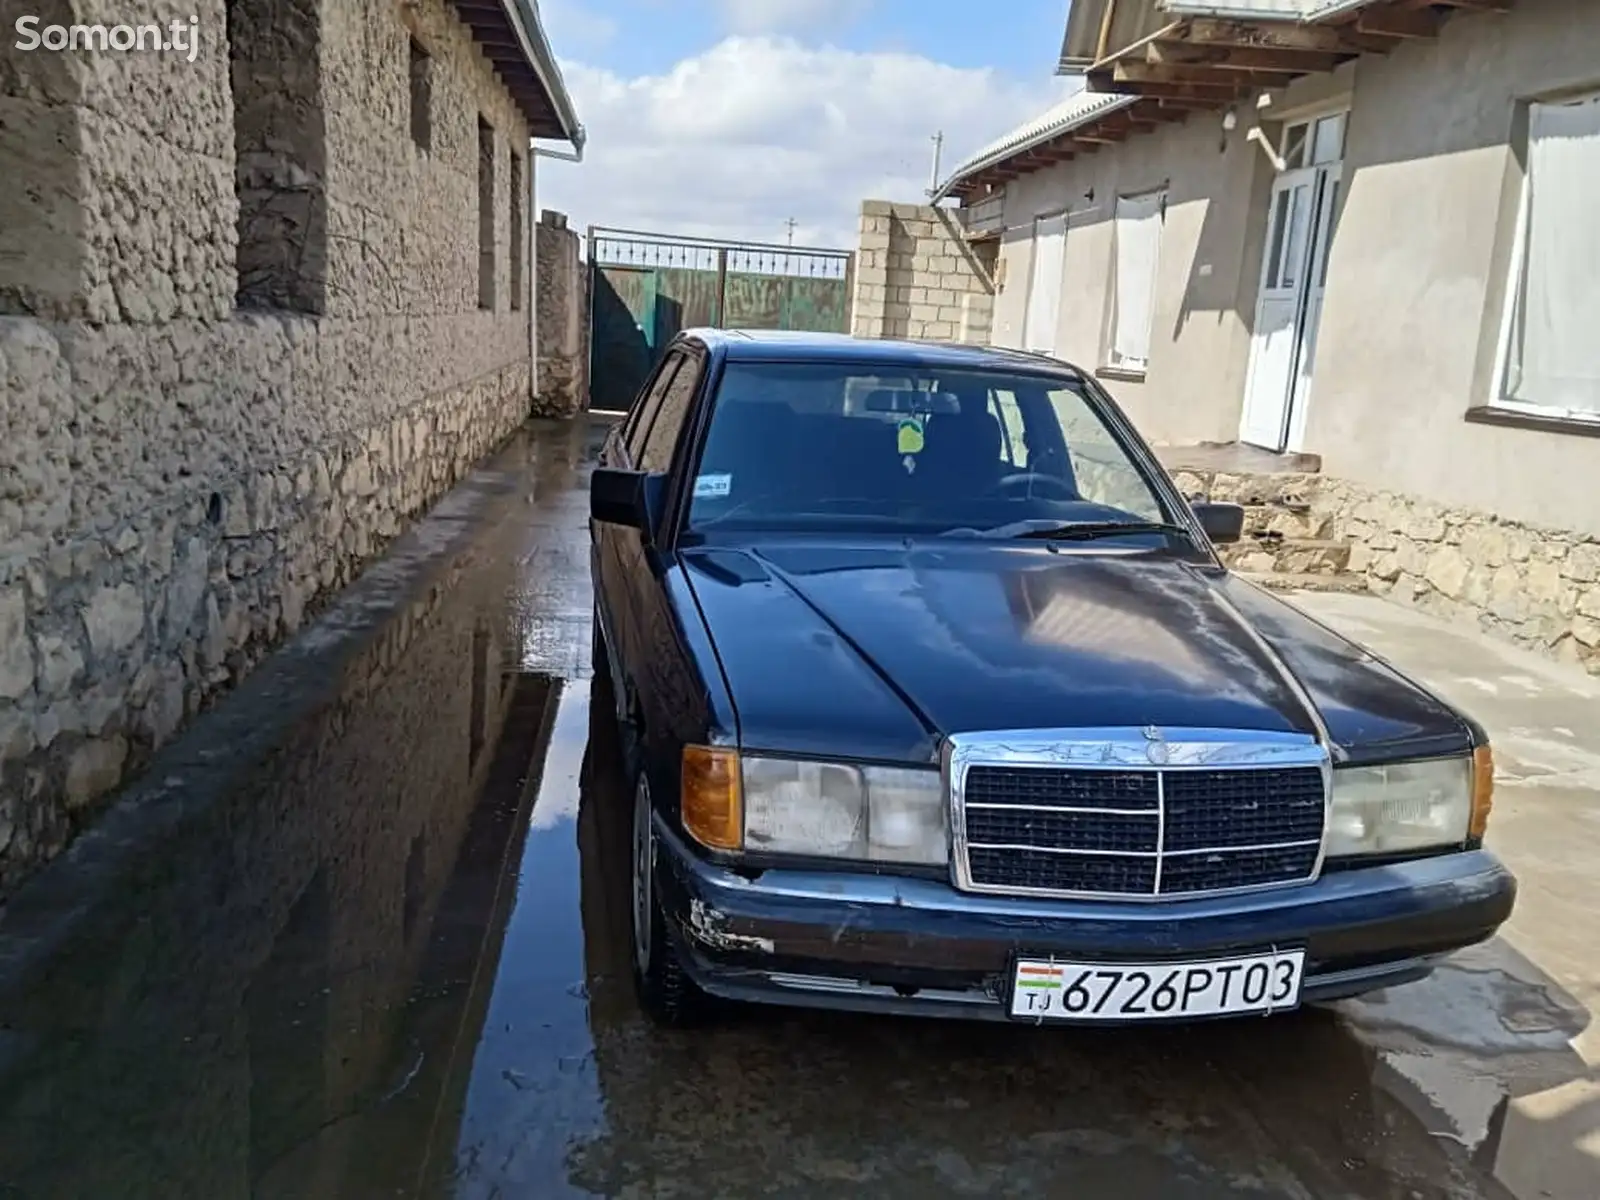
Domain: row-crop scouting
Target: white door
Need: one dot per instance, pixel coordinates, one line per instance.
(1294, 272)
(1328, 187)
(1044, 284)
(1275, 342)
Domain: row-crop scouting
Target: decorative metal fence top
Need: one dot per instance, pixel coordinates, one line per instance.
(628, 248)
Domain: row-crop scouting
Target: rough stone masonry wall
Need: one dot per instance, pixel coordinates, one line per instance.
(179, 480)
(561, 305)
(917, 276)
(1537, 587)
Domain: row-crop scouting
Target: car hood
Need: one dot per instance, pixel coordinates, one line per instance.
(879, 651)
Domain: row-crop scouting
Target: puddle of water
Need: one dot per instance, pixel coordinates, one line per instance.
(533, 1082)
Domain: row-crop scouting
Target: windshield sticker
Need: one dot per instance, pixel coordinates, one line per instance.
(908, 437)
(713, 485)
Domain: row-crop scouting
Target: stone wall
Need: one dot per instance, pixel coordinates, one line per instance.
(561, 305)
(1537, 587)
(918, 277)
(180, 479)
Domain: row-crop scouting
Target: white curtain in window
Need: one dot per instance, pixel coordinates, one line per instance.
(1554, 354)
(1138, 234)
(1044, 288)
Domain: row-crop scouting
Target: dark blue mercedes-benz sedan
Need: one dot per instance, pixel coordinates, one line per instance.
(937, 699)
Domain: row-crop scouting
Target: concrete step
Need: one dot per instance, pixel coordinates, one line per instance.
(1273, 582)
(1289, 556)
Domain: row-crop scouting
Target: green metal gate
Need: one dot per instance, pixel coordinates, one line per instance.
(645, 287)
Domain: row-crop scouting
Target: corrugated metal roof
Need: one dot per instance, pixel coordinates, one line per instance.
(1075, 111)
(1241, 8)
(1298, 10)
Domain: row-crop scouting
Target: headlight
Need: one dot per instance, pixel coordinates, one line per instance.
(832, 810)
(1399, 807)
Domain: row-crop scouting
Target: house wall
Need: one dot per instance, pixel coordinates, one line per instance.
(1483, 523)
(1495, 525)
(917, 276)
(182, 477)
(1417, 276)
(1210, 258)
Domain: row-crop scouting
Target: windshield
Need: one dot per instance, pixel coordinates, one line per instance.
(824, 445)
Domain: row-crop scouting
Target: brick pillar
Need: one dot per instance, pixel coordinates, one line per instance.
(872, 271)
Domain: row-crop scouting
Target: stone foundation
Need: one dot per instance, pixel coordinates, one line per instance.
(1537, 587)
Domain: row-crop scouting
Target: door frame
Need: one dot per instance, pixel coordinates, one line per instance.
(1325, 213)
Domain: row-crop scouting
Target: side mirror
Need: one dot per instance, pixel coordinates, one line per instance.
(628, 498)
(1223, 523)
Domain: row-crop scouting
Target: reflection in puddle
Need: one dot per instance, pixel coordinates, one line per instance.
(533, 1083)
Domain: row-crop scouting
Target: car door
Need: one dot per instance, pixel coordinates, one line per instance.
(614, 547)
(659, 663)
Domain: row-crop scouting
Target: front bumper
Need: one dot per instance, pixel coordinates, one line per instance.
(894, 944)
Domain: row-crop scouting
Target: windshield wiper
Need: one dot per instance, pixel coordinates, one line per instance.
(1070, 531)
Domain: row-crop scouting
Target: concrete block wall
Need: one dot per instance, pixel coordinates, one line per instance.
(918, 277)
(184, 473)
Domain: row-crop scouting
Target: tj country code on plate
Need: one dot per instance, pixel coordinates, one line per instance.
(1065, 991)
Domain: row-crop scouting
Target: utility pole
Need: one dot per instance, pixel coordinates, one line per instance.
(938, 146)
(791, 223)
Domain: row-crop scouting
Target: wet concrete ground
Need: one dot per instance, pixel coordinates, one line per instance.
(363, 933)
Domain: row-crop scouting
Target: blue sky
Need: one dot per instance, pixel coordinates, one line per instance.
(729, 117)
(1020, 37)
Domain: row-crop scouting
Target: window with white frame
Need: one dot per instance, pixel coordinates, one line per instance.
(1314, 143)
(1549, 350)
(1138, 246)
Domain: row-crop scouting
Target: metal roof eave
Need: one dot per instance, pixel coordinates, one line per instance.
(536, 49)
(1007, 149)
(522, 21)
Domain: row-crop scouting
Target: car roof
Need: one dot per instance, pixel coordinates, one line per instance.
(785, 345)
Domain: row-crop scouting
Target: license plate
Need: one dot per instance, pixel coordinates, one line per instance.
(1072, 991)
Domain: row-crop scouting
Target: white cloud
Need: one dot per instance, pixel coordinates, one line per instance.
(735, 141)
(771, 16)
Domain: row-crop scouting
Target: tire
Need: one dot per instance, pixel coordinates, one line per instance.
(666, 993)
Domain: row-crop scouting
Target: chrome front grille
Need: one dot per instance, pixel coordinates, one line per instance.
(1135, 813)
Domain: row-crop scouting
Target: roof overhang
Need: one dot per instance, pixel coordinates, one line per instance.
(514, 41)
(1114, 119)
(1218, 52)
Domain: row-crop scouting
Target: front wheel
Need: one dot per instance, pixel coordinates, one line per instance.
(666, 992)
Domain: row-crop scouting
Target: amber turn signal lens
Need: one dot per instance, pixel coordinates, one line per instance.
(713, 813)
(1482, 791)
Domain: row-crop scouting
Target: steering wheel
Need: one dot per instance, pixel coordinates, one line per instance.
(1034, 483)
